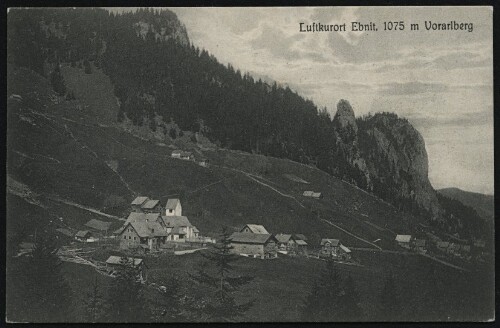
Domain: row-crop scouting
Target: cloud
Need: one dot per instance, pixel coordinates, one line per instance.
(411, 88)
(473, 119)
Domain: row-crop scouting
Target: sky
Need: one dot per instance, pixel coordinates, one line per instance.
(441, 81)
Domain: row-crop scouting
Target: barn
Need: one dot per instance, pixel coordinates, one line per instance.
(257, 245)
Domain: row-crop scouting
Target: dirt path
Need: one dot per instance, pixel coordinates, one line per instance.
(445, 263)
(351, 234)
(86, 208)
(254, 178)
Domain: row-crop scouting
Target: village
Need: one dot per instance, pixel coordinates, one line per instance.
(152, 229)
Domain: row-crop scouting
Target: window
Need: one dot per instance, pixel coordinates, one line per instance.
(135, 238)
(129, 237)
(124, 237)
(153, 230)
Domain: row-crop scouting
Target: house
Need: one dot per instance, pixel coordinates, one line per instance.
(99, 226)
(333, 248)
(143, 230)
(286, 243)
(257, 245)
(443, 246)
(196, 232)
(301, 246)
(176, 153)
(115, 263)
(138, 202)
(312, 194)
(83, 235)
(173, 207)
(144, 204)
(254, 228)
(185, 155)
(420, 245)
(404, 240)
(179, 228)
(344, 253)
(151, 206)
(454, 249)
(203, 162)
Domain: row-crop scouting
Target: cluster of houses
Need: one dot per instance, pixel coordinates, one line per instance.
(462, 250)
(411, 243)
(188, 156)
(96, 229)
(254, 240)
(150, 225)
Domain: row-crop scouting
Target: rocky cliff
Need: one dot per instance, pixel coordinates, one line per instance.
(391, 155)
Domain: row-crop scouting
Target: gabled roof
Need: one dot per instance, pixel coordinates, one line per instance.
(308, 193)
(345, 249)
(299, 236)
(118, 260)
(82, 233)
(135, 216)
(316, 195)
(256, 228)
(251, 238)
(403, 238)
(301, 242)
(98, 225)
(176, 221)
(150, 204)
(283, 238)
(172, 203)
(145, 224)
(65, 232)
(333, 242)
(195, 229)
(139, 200)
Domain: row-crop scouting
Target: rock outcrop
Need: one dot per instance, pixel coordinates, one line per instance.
(390, 154)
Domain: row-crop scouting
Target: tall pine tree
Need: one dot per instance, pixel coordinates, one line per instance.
(221, 278)
(47, 295)
(126, 297)
(323, 303)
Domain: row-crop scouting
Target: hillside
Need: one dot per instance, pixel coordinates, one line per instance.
(483, 204)
(163, 83)
(61, 150)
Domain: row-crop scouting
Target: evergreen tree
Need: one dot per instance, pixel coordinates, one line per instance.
(390, 306)
(57, 81)
(169, 306)
(323, 303)
(221, 278)
(350, 302)
(126, 297)
(46, 294)
(94, 302)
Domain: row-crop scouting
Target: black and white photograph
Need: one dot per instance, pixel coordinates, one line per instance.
(249, 164)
